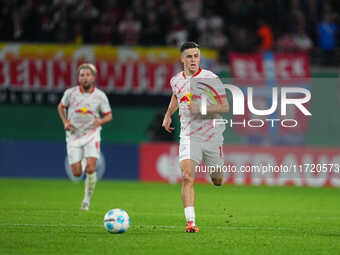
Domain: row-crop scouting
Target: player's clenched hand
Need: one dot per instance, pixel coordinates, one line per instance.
(67, 125)
(166, 123)
(194, 108)
(97, 122)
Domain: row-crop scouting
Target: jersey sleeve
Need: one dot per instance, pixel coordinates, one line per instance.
(172, 85)
(105, 107)
(218, 86)
(65, 100)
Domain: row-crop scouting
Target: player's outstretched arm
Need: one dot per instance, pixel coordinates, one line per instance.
(211, 109)
(62, 115)
(173, 106)
(101, 121)
(219, 108)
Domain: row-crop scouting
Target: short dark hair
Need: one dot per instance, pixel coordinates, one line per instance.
(189, 45)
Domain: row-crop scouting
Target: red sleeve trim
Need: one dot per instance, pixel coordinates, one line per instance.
(106, 113)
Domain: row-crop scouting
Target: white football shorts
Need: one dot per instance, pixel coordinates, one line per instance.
(77, 153)
(210, 152)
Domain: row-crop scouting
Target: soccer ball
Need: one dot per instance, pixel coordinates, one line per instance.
(116, 221)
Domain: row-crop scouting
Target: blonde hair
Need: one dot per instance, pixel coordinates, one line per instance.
(89, 66)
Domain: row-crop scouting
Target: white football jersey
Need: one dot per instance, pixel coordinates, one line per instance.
(190, 90)
(82, 109)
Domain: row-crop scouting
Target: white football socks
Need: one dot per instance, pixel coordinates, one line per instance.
(189, 213)
(90, 184)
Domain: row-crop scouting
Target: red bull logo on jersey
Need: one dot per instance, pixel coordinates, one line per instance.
(186, 98)
(84, 111)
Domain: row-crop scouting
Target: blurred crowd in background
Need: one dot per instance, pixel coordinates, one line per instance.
(225, 25)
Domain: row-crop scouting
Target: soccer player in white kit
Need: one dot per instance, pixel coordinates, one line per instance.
(84, 104)
(200, 139)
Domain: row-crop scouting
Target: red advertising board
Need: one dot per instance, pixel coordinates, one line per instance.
(292, 69)
(247, 69)
(51, 68)
(254, 69)
(120, 77)
(262, 72)
(251, 165)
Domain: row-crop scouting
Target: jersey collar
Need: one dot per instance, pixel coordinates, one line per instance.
(82, 90)
(197, 73)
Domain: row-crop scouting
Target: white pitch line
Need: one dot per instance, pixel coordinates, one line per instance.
(44, 225)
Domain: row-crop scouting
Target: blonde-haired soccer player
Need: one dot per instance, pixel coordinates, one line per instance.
(84, 104)
(200, 139)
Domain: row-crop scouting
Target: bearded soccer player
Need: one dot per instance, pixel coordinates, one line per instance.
(200, 139)
(84, 104)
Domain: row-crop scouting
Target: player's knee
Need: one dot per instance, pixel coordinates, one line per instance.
(76, 172)
(187, 178)
(90, 169)
(217, 181)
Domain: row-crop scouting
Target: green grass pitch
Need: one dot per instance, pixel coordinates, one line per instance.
(43, 216)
